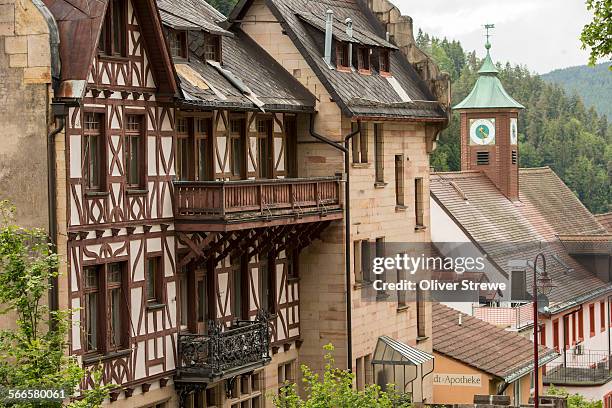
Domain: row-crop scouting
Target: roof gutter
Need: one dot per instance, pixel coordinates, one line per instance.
(529, 368)
(579, 300)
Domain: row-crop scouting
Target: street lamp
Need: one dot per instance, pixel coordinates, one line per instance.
(541, 283)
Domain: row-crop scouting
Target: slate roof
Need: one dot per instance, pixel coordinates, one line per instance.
(486, 347)
(247, 79)
(508, 230)
(356, 94)
(79, 24)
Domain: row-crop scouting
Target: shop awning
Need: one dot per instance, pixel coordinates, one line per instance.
(393, 352)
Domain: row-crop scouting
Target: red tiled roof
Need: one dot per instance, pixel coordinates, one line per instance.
(605, 220)
(509, 230)
(482, 345)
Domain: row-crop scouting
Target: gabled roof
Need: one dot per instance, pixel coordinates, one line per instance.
(605, 220)
(80, 23)
(248, 77)
(508, 230)
(403, 96)
(486, 347)
(488, 92)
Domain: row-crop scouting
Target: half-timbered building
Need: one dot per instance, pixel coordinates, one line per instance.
(196, 180)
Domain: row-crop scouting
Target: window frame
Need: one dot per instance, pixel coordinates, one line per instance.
(379, 153)
(213, 40)
(177, 41)
(364, 60)
(106, 41)
(104, 322)
(100, 134)
(342, 56)
(237, 138)
(157, 297)
(384, 61)
(419, 202)
(141, 159)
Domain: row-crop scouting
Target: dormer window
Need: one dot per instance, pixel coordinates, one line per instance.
(342, 55)
(177, 41)
(363, 59)
(113, 37)
(212, 47)
(384, 62)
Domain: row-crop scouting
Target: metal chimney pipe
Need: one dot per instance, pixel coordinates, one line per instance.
(329, 18)
(349, 33)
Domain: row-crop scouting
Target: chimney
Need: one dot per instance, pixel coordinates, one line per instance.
(329, 18)
(349, 33)
(460, 319)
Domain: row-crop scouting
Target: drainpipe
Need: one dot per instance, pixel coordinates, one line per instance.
(347, 232)
(329, 19)
(58, 111)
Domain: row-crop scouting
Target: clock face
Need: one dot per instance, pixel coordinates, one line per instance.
(513, 131)
(482, 131)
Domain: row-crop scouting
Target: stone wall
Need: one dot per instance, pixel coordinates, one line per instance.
(24, 99)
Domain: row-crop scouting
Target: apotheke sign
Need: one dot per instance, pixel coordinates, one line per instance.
(458, 380)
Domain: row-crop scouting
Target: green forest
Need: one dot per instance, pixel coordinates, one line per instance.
(592, 83)
(555, 130)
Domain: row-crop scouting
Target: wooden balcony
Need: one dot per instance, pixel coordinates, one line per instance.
(241, 204)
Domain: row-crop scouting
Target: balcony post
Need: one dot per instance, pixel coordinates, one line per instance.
(223, 204)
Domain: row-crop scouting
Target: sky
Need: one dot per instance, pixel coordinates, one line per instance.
(541, 34)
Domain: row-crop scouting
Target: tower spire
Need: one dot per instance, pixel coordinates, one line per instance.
(488, 43)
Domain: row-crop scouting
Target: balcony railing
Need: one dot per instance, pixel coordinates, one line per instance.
(223, 353)
(516, 317)
(265, 199)
(579, 367)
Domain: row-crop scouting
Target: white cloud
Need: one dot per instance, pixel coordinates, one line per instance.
(542, 34)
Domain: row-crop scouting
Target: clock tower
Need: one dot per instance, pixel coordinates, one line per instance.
(489, 129)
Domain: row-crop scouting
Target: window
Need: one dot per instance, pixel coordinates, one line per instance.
(93, 155)
(363, 371)
(286, 374)
(246, 392)
(514, 157)
(401, 294)
(267, 299)
(293, 264)
(361, 260)
(105, 308)
(202, 304)
(237, 144)
(566, 332)
(360, 144)
(482, 158)
(556, 334)
(342, 55)
(202, 130)
(580, 314)
(574, 328)
(155, 280)
(183, 150)
(114, 282)
(419, 202)
(113, 37)
(183, 292)
(237, 311)
(177, 41)
(380, 253)
(420, 314)
(92, 297)
(399, 180)
(264, 151)
(212, 47)
(134, 151)
(602, 316)
(379, 153)
(384, 62)
(517, 393)
(363, 59)
(591, 320)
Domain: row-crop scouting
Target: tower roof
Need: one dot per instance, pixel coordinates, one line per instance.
(488, 91)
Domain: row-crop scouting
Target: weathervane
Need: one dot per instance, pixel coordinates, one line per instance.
(488, 27)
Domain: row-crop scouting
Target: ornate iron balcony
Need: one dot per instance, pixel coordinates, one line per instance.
(223, 353)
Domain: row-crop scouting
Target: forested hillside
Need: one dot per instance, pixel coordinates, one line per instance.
(555, 130)
(593, 84)
(224, 6)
